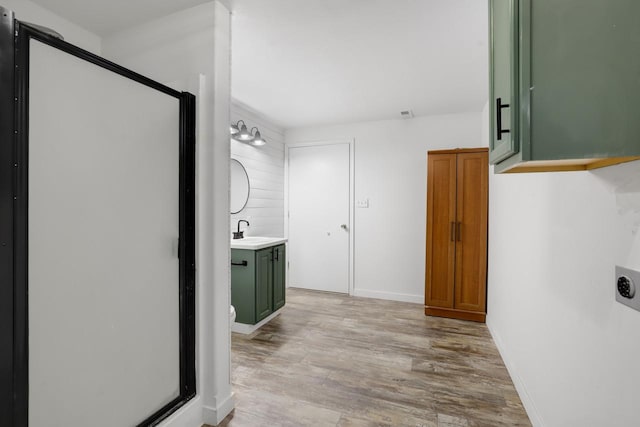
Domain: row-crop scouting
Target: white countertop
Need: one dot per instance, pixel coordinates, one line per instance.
(254, 242)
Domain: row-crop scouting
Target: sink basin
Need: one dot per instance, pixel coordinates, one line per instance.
(256, 242)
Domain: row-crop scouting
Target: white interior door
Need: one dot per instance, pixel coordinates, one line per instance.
(319, 223)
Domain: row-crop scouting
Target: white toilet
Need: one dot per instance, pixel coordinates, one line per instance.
(232, 315)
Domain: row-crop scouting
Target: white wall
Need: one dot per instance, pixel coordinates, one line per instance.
(265, 167)
(191, 51)
(173, 48)
(554, 240)
(391, 171)
(26, 10)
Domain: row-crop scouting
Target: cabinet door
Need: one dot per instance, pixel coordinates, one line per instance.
(441, 208)
(471, 233)
(279, 271)
(585, 75)
(503, 18)
(243, 285)
(264, 283)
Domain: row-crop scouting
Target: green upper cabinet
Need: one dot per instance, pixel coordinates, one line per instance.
(503, 82)
(564, 85)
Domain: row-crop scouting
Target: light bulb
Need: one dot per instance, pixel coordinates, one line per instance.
(244, 134)
(258, 140)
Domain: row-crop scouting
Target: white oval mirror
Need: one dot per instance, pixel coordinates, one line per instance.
(239, 187)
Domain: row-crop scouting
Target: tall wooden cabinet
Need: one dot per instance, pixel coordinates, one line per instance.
(457, 210)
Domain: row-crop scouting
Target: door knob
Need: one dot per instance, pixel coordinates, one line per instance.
(343, 226)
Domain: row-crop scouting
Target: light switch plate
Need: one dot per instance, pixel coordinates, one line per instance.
(627, 282)
(364, 203)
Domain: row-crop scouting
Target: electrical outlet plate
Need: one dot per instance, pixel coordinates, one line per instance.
(362, 203)
(627, 287)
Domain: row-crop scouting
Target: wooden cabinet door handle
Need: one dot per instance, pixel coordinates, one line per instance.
(458, 232)
(453, 231)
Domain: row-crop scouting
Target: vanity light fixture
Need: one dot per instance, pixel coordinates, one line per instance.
(258, 140)
(239, 132)
(234, 129)
(244, 135)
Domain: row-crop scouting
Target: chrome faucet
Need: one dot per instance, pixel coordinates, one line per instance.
(240, 234)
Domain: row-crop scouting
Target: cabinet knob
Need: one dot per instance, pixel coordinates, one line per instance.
(343, 226)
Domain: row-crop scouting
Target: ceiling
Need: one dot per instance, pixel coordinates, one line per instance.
(314, 62)
(105, 17)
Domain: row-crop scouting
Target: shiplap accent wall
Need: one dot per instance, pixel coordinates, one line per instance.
(265, 167)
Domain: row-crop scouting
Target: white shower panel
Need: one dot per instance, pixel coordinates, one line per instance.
(103, 229)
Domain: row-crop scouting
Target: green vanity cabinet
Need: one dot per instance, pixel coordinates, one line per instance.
(257, 282)
(564, 84)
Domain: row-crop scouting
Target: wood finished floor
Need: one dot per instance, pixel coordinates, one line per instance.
(334, 360)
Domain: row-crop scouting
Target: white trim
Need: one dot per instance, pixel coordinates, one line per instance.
(392, 296)
(352, 148)
(188, 415)
(532, 411)
(286, 211)
(214, 416)
(243, 328)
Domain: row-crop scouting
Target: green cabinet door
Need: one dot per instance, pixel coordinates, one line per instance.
(243, 285)
(264, 283)
(503, 79)
(585, 78)
(279, 271)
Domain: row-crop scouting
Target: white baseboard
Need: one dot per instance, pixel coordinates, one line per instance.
(189, 415)
(525, 397)
(243, 328)
(418, 299)
(214, 416)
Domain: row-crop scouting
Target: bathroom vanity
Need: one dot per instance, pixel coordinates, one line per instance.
(258, 268)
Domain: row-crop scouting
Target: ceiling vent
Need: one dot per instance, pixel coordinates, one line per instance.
(406, 114)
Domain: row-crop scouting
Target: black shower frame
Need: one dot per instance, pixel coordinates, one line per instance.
(14, 162)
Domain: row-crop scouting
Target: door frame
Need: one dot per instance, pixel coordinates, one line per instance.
(14, 240)
(351, 225)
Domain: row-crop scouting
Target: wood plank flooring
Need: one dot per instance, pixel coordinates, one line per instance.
(334, 360)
